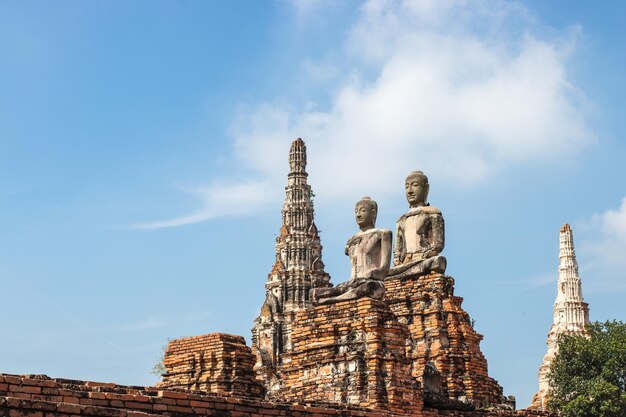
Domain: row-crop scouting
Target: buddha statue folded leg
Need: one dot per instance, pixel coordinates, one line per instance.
(350, 291)
(419, 267)
(325, 293)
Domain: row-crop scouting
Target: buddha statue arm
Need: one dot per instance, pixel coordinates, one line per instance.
(385, 256)
(399, 247)
(353, 241)
(438, 236)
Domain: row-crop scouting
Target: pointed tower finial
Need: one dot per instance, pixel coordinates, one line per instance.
(297, 157)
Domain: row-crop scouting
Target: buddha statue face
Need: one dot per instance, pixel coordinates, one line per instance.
(365, 213)
(416, 187)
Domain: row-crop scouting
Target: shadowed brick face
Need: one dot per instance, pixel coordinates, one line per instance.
(441, 333)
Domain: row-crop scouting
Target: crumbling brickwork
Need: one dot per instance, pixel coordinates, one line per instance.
(216, 362)
(40, 396)
(351, 353)
(442, 333)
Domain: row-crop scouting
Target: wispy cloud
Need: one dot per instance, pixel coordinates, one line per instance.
(603, 248)
(217, 200)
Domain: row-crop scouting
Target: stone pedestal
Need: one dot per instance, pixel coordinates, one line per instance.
(217, 362)
(441, 333)
(350, 353)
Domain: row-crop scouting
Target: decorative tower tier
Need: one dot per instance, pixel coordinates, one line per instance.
(571, 313)
(298, 269)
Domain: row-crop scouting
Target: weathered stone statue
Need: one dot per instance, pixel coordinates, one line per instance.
(370, 255)
(419, 232)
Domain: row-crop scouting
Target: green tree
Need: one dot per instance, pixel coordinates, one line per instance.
(588, 375)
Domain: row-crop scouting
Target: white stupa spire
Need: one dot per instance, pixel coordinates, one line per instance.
(571, 313)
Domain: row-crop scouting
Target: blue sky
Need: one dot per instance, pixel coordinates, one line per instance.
(143, 152)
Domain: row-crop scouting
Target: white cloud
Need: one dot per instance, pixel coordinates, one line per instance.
(458, 103)
(604, 246)
(459, 89)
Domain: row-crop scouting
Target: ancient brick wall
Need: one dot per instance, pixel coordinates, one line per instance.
(441, 333)
(216, 362)
(361, 353)
(40, 396)
(351, 353)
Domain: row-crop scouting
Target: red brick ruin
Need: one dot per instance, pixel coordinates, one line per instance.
(413, 353)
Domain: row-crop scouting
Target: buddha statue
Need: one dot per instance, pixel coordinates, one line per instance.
(370, 255)
(419, 232)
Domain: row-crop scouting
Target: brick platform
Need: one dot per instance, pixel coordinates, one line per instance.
(351, 353)
(216, 362)
(40, 396)
(442, 333)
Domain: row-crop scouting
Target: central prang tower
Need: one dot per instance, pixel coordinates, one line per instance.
(298, 269)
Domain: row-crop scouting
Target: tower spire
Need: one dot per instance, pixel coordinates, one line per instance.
(571, 313)
(298, 269)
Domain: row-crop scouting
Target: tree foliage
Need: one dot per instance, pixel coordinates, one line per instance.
(588, 375)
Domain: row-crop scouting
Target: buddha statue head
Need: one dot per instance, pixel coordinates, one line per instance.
(365, 213)
(416, 187)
